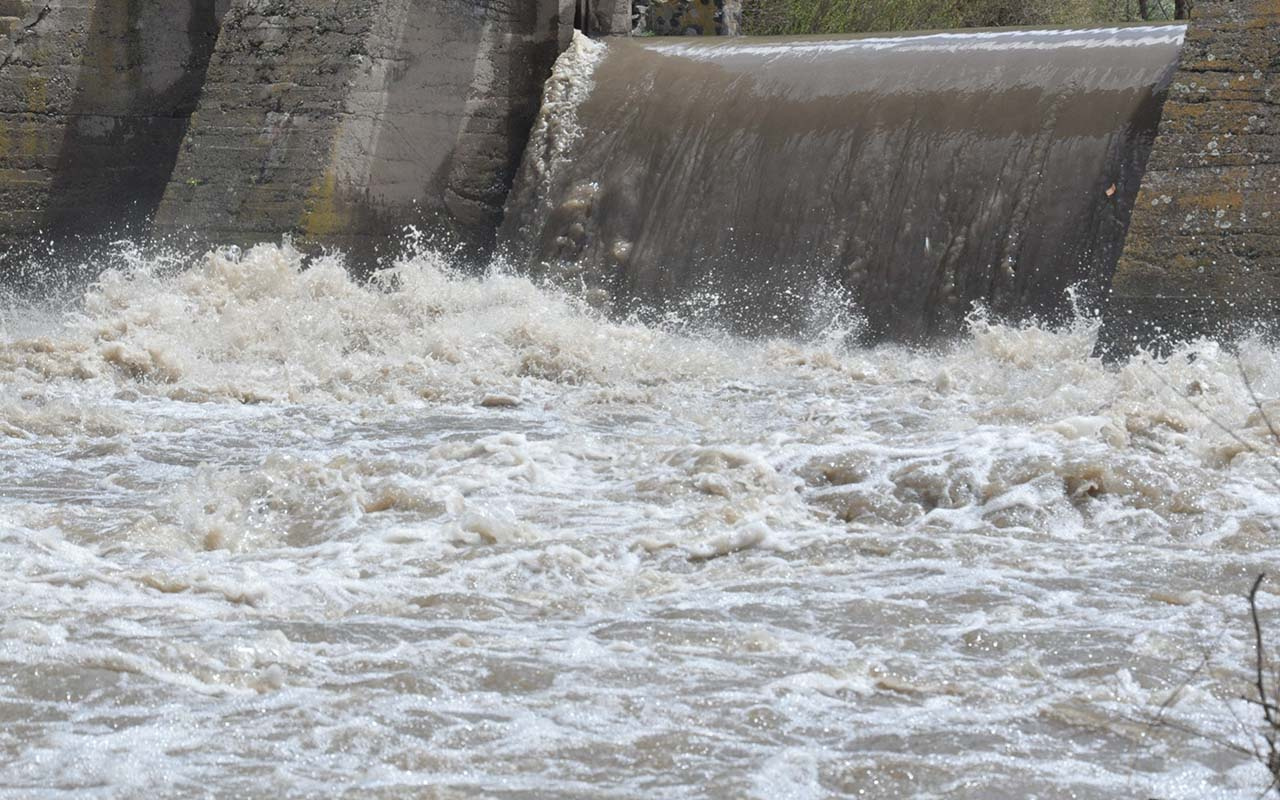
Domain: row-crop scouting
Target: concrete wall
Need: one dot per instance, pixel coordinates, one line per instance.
(1203, 252)
(94, 100)
(604, 17)
(341, 122)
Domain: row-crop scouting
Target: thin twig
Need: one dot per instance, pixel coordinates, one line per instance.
(1177, 691)
(1273, 725)
(1237, 438)
(1271, 707)
(1182, 727)
(1260, 656)
(1274, 782)
(1248, 732)
(1257, 403)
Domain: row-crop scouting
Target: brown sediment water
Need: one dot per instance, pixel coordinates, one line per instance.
(268, 531)
(917, 174)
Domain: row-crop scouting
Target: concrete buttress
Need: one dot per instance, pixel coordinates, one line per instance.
(94, 100)
(340, 123)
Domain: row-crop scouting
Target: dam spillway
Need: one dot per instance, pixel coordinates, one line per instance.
(243, 121)
(916, 174)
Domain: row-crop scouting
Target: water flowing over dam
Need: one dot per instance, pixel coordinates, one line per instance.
(917, 173)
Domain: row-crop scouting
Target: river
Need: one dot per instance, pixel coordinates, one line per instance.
(267, 531)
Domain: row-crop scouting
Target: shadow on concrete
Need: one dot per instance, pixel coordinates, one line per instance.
(453, 120)
(142, 71)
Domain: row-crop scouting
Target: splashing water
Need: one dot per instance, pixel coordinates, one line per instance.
(269, 531)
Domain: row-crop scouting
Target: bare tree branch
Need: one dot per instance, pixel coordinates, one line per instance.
(1260, 664)
(1257, 403)
(1235, 437)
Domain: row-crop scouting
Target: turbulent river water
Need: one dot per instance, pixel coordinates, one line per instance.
(266, 531)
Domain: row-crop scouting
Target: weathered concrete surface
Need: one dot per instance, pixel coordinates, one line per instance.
(694, 17)
(343, 122)
(604, 17)
(94, 100)
(1203, 250)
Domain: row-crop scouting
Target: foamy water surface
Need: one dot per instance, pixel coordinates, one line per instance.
(269, 532)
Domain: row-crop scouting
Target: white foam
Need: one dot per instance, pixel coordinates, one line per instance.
(253, 495)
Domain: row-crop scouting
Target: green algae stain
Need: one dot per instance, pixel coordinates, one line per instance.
(323, 215)
(30, 145)
(35, 94)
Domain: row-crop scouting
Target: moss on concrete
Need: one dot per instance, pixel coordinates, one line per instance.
(322, 216)
(93, 100)
(341, 124)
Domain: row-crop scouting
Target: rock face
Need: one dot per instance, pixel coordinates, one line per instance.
(694, 17)
(94, 100)
(1203, 251)
(342, 122)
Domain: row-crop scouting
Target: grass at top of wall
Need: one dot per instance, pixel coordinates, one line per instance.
(764, 17)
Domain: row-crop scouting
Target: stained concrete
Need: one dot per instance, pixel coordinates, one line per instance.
(1203, 250)
(341, 123)
(604, 17)
(94, 101)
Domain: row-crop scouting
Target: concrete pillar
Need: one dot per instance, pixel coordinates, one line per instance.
(604, 17)
(1203, 250)
(341, 123)
(94, 101)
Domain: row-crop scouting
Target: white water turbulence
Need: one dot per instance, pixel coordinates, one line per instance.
(266, 531)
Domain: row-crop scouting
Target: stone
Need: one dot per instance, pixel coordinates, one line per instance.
(694, 17)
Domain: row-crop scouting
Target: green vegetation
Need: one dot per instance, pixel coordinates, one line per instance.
(763, 17)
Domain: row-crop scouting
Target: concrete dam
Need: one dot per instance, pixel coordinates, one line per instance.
(918, 174)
